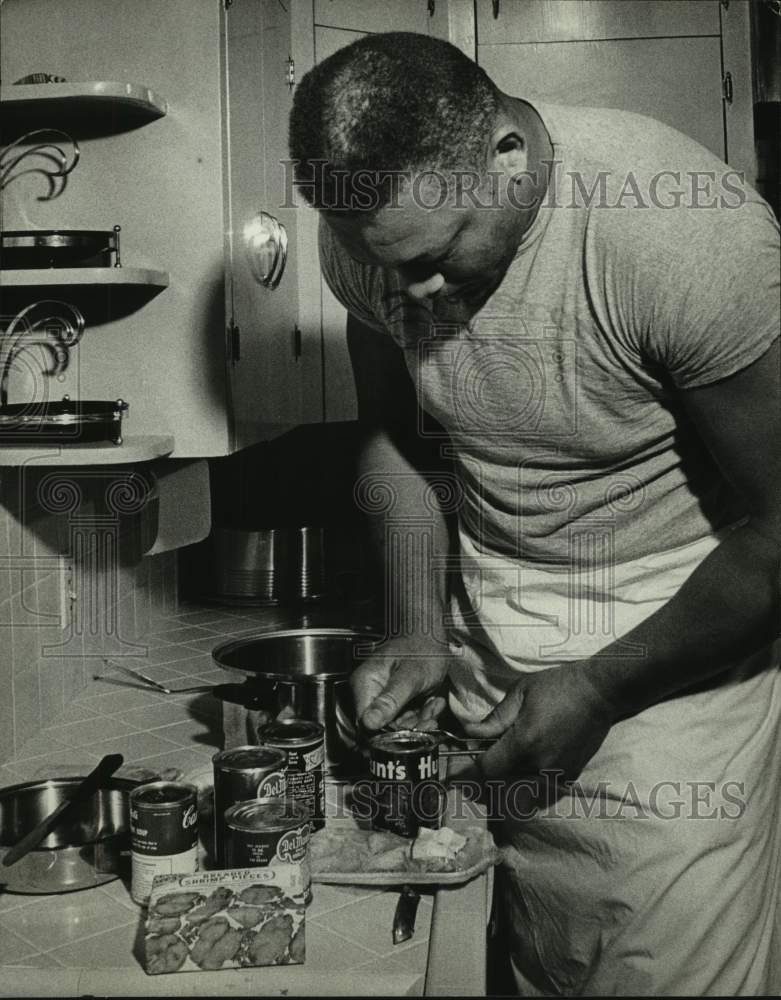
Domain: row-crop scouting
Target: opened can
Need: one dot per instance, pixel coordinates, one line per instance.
(304, 745)
(261, 834)
(405, 789)
(163, 833)
(243, 773)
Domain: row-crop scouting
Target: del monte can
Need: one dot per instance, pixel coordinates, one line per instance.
(244, 773)
(304, 746)
(261, 834)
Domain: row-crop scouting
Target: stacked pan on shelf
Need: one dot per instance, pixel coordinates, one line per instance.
(55, 327)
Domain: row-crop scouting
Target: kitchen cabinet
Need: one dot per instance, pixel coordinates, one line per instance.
(180, 157)
(685, 63)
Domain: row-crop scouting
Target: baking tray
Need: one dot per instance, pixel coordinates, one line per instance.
(482, 854)
(66, 421)
(39, 248)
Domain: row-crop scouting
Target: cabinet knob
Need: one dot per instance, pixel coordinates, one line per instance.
(265, 240)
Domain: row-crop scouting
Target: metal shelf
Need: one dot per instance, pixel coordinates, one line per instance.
(134, 448)
(97, 104)
(55, 277)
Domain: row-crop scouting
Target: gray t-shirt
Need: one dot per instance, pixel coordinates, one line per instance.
(559, 396)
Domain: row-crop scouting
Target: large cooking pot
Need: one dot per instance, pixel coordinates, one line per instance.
(90, 848)
(305, 673)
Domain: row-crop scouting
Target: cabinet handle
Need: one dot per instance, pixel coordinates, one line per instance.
(234, 336)
(727, 91)
(265, 242)
(297, 340)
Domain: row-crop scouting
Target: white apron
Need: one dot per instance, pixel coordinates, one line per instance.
(664, 878)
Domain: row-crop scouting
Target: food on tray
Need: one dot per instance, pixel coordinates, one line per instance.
(224, 920)
(346, 848)
(439, 846)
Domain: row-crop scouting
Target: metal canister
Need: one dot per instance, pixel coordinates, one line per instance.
(405, 789)
(304, 744)
(270, 833)
(242, 773)
(163, 833)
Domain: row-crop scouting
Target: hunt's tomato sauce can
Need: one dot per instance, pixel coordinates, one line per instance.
(261, 834)
(163, 833)
(243, 773)
(304, 745)
(405, 789)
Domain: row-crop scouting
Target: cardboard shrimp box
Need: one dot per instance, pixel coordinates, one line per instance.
(230, 919)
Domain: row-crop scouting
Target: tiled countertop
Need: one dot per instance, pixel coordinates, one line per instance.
(89, 941)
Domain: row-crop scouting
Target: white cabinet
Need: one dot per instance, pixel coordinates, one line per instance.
(669, 60)
(214, 358)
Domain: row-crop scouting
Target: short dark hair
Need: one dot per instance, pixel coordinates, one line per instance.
(388, 103)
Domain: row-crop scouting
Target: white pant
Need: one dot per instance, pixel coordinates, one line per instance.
(664, 878)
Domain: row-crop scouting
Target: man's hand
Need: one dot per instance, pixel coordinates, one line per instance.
(401, 672)
(554, 720)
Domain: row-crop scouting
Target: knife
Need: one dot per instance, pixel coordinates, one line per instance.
(404, 917)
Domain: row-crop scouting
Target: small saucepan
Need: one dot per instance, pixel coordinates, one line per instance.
(90, 848)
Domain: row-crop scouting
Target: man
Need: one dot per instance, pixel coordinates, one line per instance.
(586, 304)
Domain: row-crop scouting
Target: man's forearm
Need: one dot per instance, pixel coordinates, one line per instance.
(727, 608)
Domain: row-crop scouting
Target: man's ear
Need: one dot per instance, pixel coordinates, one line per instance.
(509, 154)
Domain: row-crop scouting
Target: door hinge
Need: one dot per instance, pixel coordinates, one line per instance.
(290, 73)
(726, 88)
(297, 342)
(234, 340)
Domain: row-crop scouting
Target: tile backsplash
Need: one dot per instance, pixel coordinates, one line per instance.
(75, 586)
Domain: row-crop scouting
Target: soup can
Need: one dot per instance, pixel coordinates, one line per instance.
(405, 789)
(261, 834)
(242, 773)
(304, 744)
(163, 833)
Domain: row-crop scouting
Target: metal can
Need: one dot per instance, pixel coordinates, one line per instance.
(260, 834)
(304, 744)
(242, 773)
(405, 789)
(163, 833)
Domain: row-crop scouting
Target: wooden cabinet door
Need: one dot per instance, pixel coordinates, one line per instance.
(275, 367)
